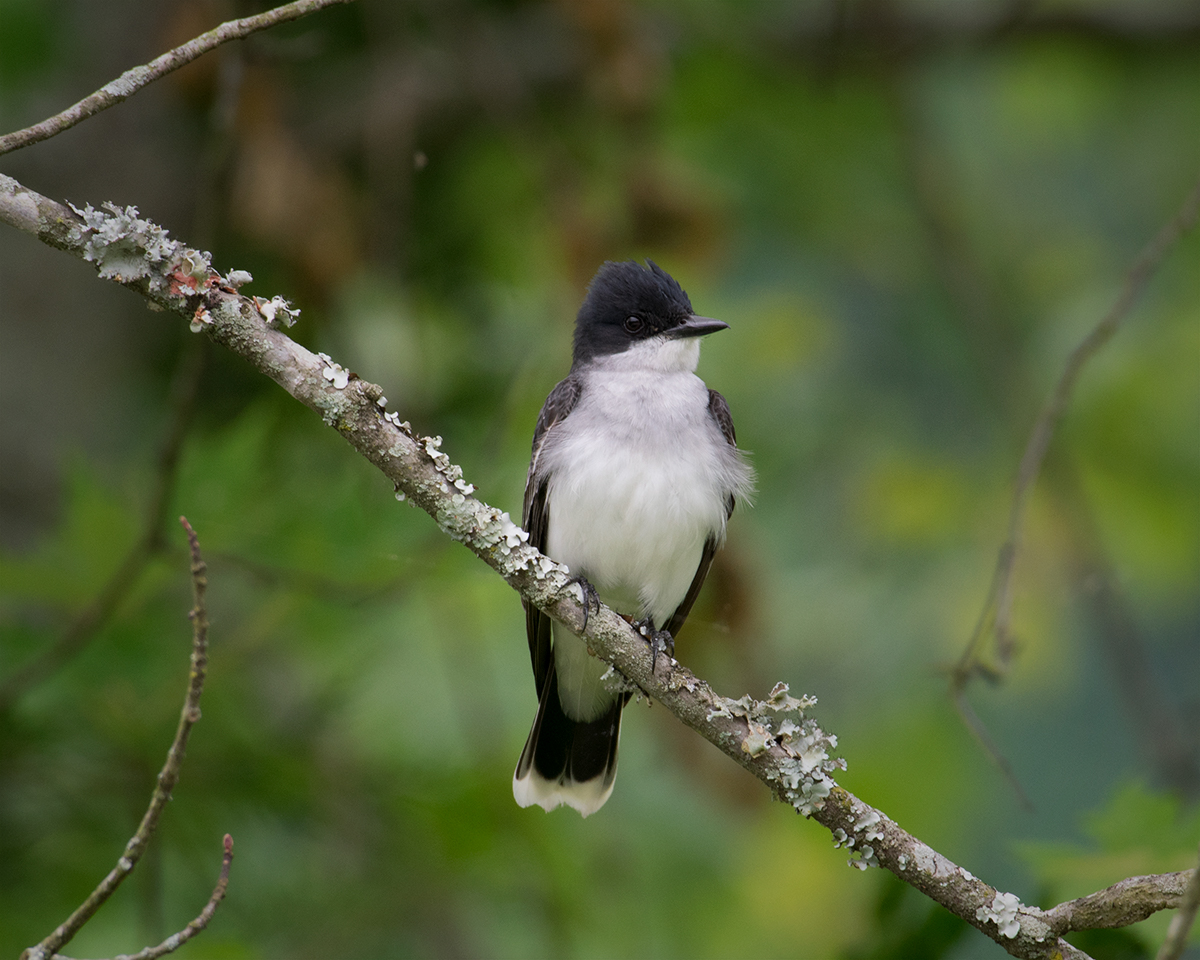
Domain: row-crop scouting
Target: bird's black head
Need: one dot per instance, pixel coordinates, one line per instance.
(627, 303)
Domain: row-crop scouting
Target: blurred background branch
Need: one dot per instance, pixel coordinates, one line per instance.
(164, 784)
(1181, 924)
(133, 80)
(997, 613)
(995, 618)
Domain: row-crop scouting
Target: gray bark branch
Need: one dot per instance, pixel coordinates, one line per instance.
(132, 80)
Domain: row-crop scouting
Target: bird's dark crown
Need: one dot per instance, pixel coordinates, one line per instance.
(619, 292)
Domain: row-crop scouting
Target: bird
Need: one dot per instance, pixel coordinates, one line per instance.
(634, 473)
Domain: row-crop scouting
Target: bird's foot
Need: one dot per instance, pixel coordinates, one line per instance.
(591, 599)
(660, 641)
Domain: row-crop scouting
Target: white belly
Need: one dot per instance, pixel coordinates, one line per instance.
(632, 501)
(630, 508)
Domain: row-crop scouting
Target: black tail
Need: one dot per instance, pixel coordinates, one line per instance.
(565, 760)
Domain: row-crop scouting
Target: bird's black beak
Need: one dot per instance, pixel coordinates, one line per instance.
(695, 327)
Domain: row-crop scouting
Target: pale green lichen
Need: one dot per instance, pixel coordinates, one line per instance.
(200, 319)
(121, 244)
(865, 831)
(616, 682)
(1003, 913)
(335, 373)
(780, 701)
(867, 825)
(394, 419)
(464, 517)
(803, 772)
(280, 314)
(758, 739)
(125, 247)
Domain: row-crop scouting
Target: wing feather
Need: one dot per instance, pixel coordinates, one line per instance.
(720, 413)
(535, 517)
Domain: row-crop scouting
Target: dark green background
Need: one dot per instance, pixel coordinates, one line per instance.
(908, 212)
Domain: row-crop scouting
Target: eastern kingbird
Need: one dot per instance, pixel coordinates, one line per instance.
(635, 471)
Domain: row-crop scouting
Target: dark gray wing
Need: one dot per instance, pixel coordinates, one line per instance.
(534, 517)
(720, 413)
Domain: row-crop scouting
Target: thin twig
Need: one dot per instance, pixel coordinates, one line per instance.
(1168, 743)
(980, 732)
(1039, 441)
(1181, 923)
(996, 615)
(185, 388)
(131, 81)
(1128, 901)
(167, 777)
(176, 940)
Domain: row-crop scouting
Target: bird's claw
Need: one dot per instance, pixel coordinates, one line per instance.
(590, 597)
(660, 641)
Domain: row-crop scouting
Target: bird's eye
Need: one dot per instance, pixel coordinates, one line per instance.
(634, 324)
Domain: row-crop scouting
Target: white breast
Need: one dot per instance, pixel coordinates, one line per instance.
(640, 477)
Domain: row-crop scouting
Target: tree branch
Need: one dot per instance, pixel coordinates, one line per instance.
(1129, 901)
(177, 940)
(131, 81)
(995, 616)
(1181, 923)
(167, 778)
(774, 739)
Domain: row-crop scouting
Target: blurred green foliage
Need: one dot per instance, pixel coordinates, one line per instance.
(908, 212)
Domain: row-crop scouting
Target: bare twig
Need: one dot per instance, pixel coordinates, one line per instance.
(1181, 923)
(131, 81)
(1168, 743)
(995, 617)
(185, 387)
(980, 732)
(167, 777)
(1039, 441)
(792, 761)
(176, 940)
(1129, 901)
